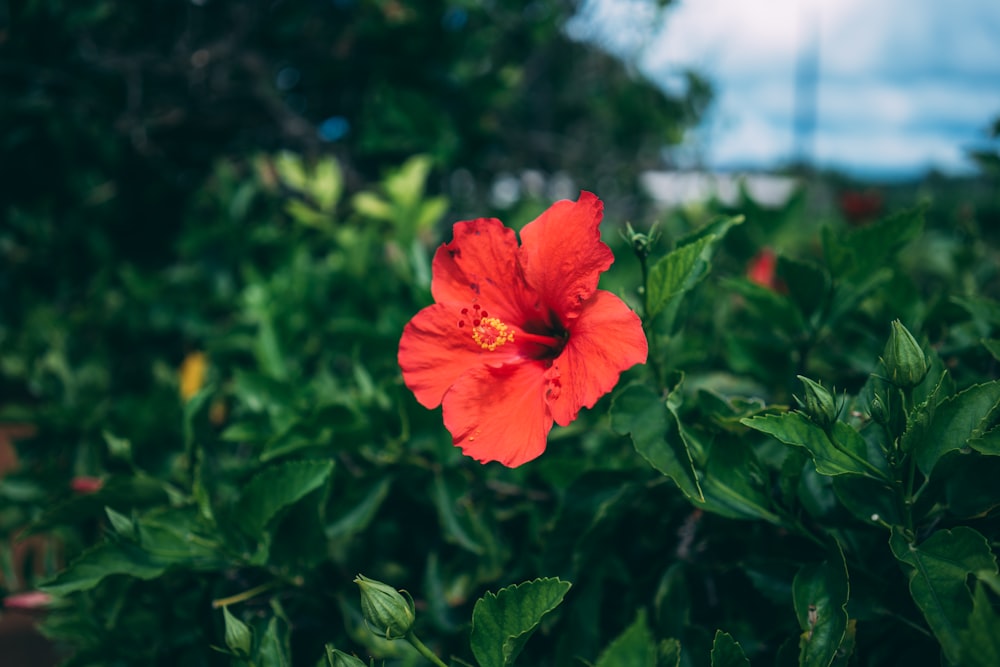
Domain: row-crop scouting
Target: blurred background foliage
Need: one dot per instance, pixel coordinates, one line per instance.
(218, 216)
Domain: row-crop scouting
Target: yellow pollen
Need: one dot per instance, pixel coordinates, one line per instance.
(491, 333)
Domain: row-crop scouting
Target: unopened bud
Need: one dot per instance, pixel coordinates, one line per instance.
(641, 243)
(818, 403)
(337, 658)
(387, 613)
(904, 361)
(878, 411)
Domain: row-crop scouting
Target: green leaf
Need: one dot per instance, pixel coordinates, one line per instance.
(105, 560)
(988, 443)
(992, 345)
(985, 312)
(863, 250)
(676, 273)
(633, 647)
(820, 592)
(239, 636)
(275, 650)
(360, 515)
(458, 523)
(504, 621)
(726, 652)
(808, 285)
(165, 539)
(371, 205)
(639, 412)
(981, 638)
(955, 422)
(734, 484)
(119, 491)
(776, 309)
(669, 651)
(277, 487)
(940, 566)
(843, 452)
(123, 525)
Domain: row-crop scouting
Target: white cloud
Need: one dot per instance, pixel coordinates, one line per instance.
(902, 84)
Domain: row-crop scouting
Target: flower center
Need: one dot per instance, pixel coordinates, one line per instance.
(491, 333)
(488, 332)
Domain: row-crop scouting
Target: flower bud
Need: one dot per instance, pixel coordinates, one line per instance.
(818, 403)
(904, 361)
(641, 243)
(878, 411)
(337, 658)
(386, 612)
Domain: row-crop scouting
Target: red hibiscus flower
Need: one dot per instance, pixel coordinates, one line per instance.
(519, 336)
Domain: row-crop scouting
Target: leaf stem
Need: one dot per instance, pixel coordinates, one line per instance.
(647, 321)
(245, 595)
(423, 650)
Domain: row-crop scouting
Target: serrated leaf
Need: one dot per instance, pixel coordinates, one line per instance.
(164, 540)
(864, 249)
(503, 621)
(955, 422)
(842, 452)
(676, 273)
(640, 413)
(104, 560)
(277, 487)
(634, 647)
(988, 443)
(940, 566)
(820, 593)
(726, 652)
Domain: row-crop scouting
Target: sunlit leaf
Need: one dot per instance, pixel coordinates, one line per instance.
(675, 273)
(503, 621)
(635, 646)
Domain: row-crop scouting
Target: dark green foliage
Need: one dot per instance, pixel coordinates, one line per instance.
(704, 522)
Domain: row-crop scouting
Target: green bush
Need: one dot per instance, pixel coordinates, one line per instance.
(803, 472)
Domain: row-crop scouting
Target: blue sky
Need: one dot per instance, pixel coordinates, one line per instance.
(901, 86)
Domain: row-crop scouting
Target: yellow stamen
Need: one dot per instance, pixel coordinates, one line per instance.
(491, 333)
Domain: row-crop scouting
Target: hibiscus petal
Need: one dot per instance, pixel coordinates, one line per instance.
(499, 413)
(480, 266)
(606, 339)
(434, 351)
(563, 255)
